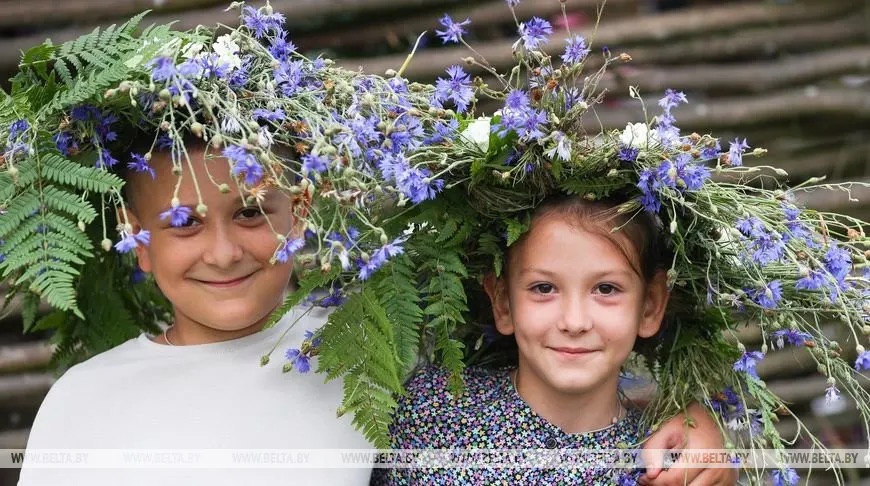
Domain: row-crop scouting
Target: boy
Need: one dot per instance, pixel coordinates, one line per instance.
(199, 385)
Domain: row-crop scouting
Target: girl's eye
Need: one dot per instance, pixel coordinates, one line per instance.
(543, 288)
(605, 289)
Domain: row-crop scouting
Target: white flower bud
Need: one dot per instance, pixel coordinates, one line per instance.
(106, 244)
(673, 226)
(859, 349)
(81, 226)
(201, 209)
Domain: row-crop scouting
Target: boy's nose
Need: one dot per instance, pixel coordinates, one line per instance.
(574, 318)
(224, 250)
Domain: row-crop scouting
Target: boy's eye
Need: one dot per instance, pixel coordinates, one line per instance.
(605, 289)
(543, 288)
(250, 212)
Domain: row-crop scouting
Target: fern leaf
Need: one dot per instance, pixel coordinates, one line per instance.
(62, 69)
(311, 281)
(20, 208)
(61, 170)
(68, 202)
(395, 286)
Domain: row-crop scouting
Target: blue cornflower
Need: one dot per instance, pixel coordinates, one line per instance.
(531, 125)
(17, 128)
(84, 112)
(768, 296)
(139, 164)
(862, 362)
(751, 226)
(105, 159)
(212, 66)
(417, 185)
(647, 183)
(65, 143)
(832, 394)
(298, 360)
(245, 163)
(162, 68)
(190, 68)
(671, 99)
(239, 77)
(814, 280)
(728, 404)
(711, 152)
(838, 262)
(333, 299)
(177, 215)
(453, 31)
(310, 337)
(457, 88)
(735, 152)
(130, 241)
(288, 76)
(264, 114)
(312, 163)
(261, 24)
(289, 248)
(629, 478)
(512, 3)
(281, 48)
(137, 276)
(628, 154)
(790, 336)
(576, 50)
(748, 361)
(535, 32)
(443, 131)
(784, 477)
(517, 100)
(380, 257)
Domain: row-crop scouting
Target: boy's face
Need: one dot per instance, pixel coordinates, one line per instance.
(215, 270)
(575, 306)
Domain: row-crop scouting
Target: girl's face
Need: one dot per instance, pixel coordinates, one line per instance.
(576, 306)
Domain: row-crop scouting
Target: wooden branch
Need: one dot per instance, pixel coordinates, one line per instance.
(803, 390)
(748, 77)
(38, 13)
(25, 356)
(748, 110)
(24, 388)
(655, 29)
(488, 13)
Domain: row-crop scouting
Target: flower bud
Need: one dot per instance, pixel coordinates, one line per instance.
(81, 226)
(125, 86)
(13, 171)
(164, 125)
(217, 141)
(201, 209)
(165, 95)
(390, 73)
(223, 188)
(764, 348)
(196, 129)
(106, 244)
(110, 93)
(859, 349)
(673, 226)
(384, 239)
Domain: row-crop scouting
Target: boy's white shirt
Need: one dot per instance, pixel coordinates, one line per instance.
(145, 395)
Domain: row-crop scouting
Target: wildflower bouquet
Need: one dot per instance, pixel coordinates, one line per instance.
(410, 198)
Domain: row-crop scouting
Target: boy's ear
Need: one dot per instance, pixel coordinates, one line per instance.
(657, 296)
(144, 261)
(496, 289)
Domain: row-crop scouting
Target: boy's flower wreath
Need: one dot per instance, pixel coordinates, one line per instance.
(410, 200)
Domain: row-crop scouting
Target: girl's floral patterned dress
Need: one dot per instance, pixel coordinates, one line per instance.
(491, 415)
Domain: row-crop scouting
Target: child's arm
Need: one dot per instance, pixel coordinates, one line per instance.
(676, 435)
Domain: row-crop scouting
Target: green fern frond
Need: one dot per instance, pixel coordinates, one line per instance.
(57, 168)
(312, 280)
(64, 72)
(357, 342)
(396, 286)
(23, 205)
(69, 203)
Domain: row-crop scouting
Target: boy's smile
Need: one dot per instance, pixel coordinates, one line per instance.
(216, 270)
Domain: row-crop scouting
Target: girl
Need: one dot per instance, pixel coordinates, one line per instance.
(576, 296)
